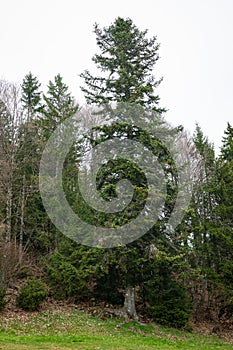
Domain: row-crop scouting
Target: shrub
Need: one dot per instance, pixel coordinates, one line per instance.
(107, 287)
(72, 271)
(170, 306)
(63, 277)
(166, 300)
(31, 295)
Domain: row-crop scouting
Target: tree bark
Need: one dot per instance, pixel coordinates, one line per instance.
(22, 219)
(9, 211)
(129, 303)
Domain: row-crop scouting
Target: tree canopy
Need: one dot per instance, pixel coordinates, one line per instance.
(126, 60)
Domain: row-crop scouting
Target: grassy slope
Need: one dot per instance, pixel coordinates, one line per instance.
(77, 330)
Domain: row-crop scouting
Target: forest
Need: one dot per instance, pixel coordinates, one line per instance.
(172, 275)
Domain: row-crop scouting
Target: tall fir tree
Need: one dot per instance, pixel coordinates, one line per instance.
(227, 143)
(222, 233)
(126, 60)
(224, 194)
(31, 95)
(199, 219)
(59, 105)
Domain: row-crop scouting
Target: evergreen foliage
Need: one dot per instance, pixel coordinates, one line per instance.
(59, 105)
(227, 143)
(127, 58)
(126, 61)
(32, 293)
(31, 96)
(175, 274)
(72, 270)
(166, 300)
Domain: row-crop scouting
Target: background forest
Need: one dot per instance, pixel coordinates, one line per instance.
(169, 277)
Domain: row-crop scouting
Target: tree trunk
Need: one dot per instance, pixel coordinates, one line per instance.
(22, 220)
(129, 304)
(9, 211)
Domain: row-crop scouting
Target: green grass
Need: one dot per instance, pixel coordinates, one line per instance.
(77, 330)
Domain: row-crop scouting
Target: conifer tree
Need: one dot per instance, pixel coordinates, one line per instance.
(200, 217)
(59, 105)
(59, 102)
(224, 195)
(210, 225)
(31, 95)
(227, 146)
(126, 60)
(222, 243)
(126, 63)
(27, 158)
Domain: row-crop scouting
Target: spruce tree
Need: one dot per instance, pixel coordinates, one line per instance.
(223, 248)
(198, 222)
(224, 173)
(59, 105)
(27, 158)
(126, 59)
(31, 95)
(227, 146)
(208, 226)
(126, 62)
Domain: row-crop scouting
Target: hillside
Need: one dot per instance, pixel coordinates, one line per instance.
(59, 326)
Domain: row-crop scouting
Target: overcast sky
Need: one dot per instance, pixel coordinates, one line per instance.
(196, 53)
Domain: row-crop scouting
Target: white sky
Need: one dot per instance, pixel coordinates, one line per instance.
(196, 36)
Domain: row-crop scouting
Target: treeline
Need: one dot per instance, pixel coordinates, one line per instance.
(168, 275)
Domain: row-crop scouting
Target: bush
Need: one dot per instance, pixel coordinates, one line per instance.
(167, 302)
(72, 271)
(31, 295)
(107, 287)
(170, 306)
(2, 298)
(63, 277)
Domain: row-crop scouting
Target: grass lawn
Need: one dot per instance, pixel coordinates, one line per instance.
(73, 329)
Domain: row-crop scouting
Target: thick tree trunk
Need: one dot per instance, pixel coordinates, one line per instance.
(129, 304)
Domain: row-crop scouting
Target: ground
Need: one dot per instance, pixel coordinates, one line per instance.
(63, 325)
